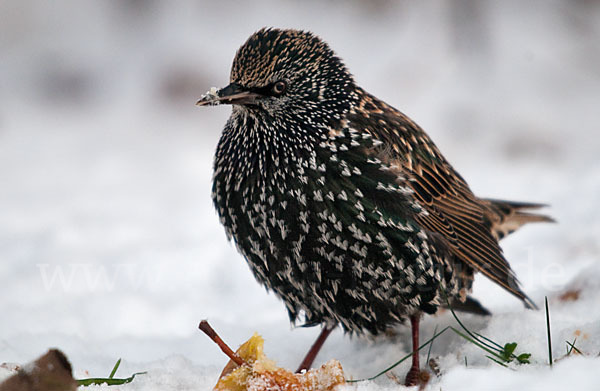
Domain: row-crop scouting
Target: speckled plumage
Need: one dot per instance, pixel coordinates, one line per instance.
(341, 204)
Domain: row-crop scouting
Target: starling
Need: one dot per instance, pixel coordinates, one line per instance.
(342, 205)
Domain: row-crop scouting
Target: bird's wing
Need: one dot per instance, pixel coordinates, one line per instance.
(453, 211)
(456, 213)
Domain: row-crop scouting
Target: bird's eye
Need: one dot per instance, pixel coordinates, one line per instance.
(279, 87)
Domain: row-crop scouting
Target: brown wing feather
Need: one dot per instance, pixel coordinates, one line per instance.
(465, 228)
(453, 210)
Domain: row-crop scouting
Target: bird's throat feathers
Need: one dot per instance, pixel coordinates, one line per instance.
(257, 145)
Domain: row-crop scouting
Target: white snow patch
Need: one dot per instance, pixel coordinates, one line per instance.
(109, 245)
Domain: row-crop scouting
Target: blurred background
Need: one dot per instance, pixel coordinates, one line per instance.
(108, 239)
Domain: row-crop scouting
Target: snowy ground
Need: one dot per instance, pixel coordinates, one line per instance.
(110, 248)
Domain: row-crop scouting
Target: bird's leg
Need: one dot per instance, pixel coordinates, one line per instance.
(314, 349)
(412, 377)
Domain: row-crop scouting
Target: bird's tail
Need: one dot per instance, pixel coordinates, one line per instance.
(508, 216)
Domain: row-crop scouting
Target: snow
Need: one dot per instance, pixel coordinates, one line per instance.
(109, 245)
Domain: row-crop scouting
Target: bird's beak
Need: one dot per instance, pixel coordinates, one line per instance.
(233, 94)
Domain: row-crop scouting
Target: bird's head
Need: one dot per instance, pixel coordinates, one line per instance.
(286, 73)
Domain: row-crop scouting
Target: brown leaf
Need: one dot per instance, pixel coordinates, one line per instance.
(51, 372)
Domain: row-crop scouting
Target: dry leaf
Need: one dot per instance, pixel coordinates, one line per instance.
(570, 295)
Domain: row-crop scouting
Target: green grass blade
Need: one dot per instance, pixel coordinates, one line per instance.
(107, 381)
(431, 344)
(478, 344)
(497, 345)
(430, 340)
(473, 336)
(572, 346)
(497, 361)
(112, 373)
(548, 330)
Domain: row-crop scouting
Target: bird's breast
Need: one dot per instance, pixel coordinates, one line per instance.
(331, 231)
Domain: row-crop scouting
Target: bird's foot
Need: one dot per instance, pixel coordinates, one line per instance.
(416, 377)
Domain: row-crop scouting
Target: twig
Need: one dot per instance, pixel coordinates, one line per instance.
(212, 334)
